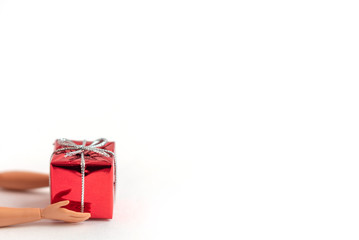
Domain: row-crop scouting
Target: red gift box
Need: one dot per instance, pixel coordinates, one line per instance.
(84, 175)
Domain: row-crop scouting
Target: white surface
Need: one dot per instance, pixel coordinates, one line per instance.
(233, 119)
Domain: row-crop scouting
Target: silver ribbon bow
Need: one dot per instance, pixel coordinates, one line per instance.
(80, 149)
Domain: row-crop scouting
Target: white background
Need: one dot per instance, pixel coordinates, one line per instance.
(233, 119)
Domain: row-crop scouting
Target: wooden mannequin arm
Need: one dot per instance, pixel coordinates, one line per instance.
(20, 180)
(11, 216)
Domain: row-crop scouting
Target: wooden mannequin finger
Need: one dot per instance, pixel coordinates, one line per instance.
(79, 214)
(70, 212)
(61, 203)
(73, 220)
(70, 221)
(83, 215)
(78, 219)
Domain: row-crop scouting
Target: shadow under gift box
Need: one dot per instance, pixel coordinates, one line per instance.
(66, 181)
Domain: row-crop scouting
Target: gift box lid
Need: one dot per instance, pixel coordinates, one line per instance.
(91, 158)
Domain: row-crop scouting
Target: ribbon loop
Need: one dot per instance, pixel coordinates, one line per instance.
(93, 147)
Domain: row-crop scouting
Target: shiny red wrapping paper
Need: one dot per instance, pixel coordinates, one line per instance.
(65, 180)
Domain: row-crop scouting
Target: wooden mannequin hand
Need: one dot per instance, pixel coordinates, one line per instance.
(54, 211)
